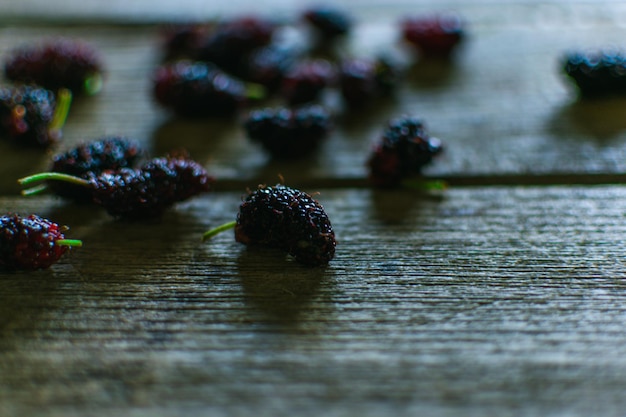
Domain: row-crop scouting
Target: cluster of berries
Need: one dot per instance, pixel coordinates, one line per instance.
(103, 173)
(45, 76)
(221, 69)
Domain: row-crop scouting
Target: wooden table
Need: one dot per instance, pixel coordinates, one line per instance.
(503, 295)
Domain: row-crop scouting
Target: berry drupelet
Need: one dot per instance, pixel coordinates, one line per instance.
(32, 242)
(404, 149)
(107, 153)
(598, 73)
(198, 89)
(328, 21)
(287, 219)
(286, 132)
(306, 80)
(61, 63)
(141, 193)
(434, 36)
(32, 116)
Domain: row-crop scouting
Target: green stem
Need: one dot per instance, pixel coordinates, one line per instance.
(255, 91)
(69, 242)
(63, 102)
(47, 176)
(93, 84)
(35, 190)
(219, 229)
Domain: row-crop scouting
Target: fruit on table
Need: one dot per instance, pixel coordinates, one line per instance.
(363, 80)
(32, 116)
(306, 80)
(401, 153)
(597, 73)
(229, 42)
(106, 153)
(199, 89)
(434, 35)
(140, 193)
(287, 219)
(288, 132)
(31, 242)
(54, 64)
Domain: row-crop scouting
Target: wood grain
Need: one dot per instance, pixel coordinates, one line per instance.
(502, 107)
(496, 297)
(480, 301)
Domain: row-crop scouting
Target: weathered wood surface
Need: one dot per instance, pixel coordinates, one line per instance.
(481, 301)
(503, 108)
(478, 301)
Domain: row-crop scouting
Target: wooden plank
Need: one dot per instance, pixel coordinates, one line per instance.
(502, 109)
(480, 301)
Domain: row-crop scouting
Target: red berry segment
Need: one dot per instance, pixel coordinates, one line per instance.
(148, 191)
(108, 153)
(62, 63)
(404, 149)
(287, 133)
(197, 89)
(434, 36)
(287, 219)
(26, 114)
(30, 243)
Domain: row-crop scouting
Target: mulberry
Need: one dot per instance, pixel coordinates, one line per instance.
(32, 116)
(62, 63)
(404, 149)
(287, 219)
(598, 73)
(108, 153)
(287, 133)
(30, 243)
(140, 193)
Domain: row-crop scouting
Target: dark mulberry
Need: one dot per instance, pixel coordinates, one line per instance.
(287, 219)
(403, 151)
(288, 133)
(363, 80)
(148, 191)
(306, 80)
(32, 242)
(108, 153)
(197, 89)
(597, 73)
(140, 193)
(26, 116)
(61, 63)
(227, 45)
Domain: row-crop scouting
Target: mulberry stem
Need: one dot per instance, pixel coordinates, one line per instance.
(64, 100)
(219, 229)
(46, 176)
(69, 242)
(93, 84)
